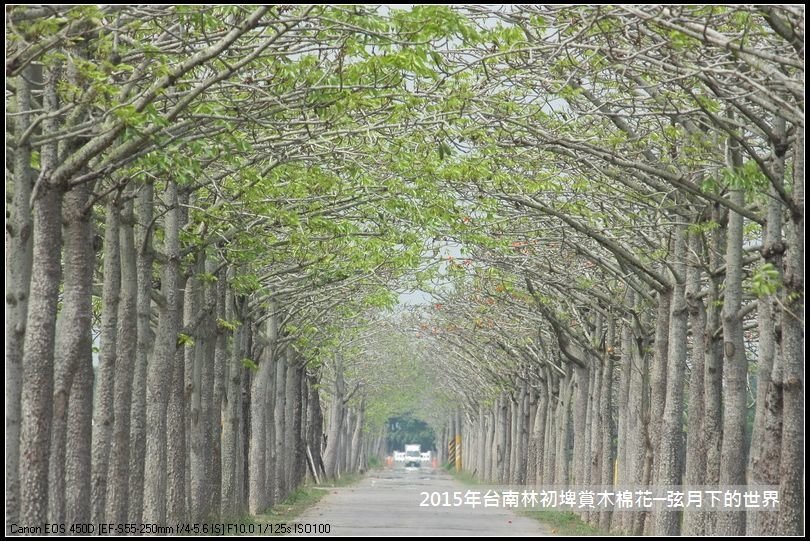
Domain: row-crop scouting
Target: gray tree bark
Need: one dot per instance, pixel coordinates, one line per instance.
(231, 410)
(607, 423)
(160, 368)
(766, 436)
(73, 337)
(735, 374)
(695, 474)
(18, 276)
(791, 474)
(118, 477)
(671, 440)
(713, 367)
(37, 363)
(137, 455)
(336, 413)
(105, 388)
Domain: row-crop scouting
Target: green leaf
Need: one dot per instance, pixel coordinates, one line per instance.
(765, 280)
(250, 364)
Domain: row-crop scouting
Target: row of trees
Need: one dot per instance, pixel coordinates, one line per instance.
(641, 307)
(195, 203)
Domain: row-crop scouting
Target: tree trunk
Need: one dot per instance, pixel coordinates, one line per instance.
(580, 451)
(357, 440)
(281, 463)
(161, 367)
(118, 479)
(18, 278)
(607, 423)
(620, 522)
(78, 445)
(735, 374)
(693, 518)
(766, 435)
(73, 336)
(176, 436)
(667, 521)
(105, 388)
(231, 408)
(217, 411)
(335, 421)
(539, 435)
(791, 467)
(258, 499)
(137, 452)
(37, 362)
(713, 374)
(292, 429)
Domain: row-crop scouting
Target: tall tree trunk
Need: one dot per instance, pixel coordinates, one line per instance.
(137, 449)
(18, 276)
(281, 463)
(550, 442)
(73, 336)
(291, 430)
(316, 423)
(160, 368)
(118, 479)
(694, 518)
(209, 330)
(562, 475)
(594, 472)
(502, 439)
(620, 522)
(658, 372)
(766, 435)
(735, 374)
(539, 434)
(667, 521)
(791, 474)
(580, 451)
(176, 435)
(639, 414)
(220, 381)
(335, 420)
(189, 408)
(105, 388)
(607, 423)
(37, 364)
(713, 367)
(357, 439)
(260, 494)
(231, 410)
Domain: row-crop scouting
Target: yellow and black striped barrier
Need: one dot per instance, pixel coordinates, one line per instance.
(454, 452)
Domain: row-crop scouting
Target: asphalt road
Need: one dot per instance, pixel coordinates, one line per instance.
(388, 503)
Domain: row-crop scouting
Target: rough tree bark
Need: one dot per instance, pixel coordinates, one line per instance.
(695, 474)
(160, 367)
(40, 329)
(667, 522)
(118, 478)
(18, 274)
(137, 448)
(735, 374)
(73, 337)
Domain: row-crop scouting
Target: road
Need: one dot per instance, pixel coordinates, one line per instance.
(387, 503)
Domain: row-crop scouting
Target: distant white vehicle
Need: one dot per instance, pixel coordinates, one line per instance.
(399, 456)
(413, 455)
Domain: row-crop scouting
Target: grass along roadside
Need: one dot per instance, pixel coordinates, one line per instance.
(284, 514)
(558, 522)
(561, 522)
